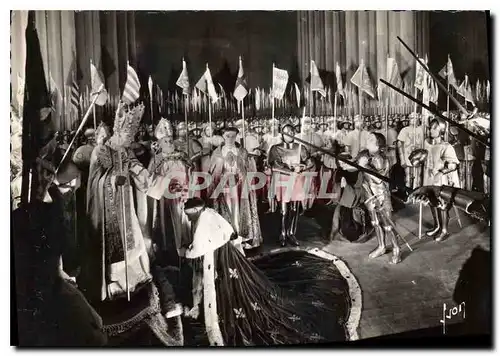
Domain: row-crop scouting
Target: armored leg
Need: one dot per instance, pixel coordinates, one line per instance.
(381, 249)
(294, 219)
(393, 235)
(437, 222)
(284, 223)
(445, 219)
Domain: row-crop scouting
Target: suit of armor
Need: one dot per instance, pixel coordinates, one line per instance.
(378, 203)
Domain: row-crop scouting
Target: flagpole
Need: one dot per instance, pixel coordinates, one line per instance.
(335, 115)
(272, 110)
(447, 107)
(311, 95)
(186, 122)
(360, 92)
(82, 124)
(243, 118)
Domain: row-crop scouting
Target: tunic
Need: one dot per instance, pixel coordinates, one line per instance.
(438, 155)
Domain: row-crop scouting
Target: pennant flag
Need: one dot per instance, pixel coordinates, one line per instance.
(393, 75)
(362, 80)
(257, 99)
(97, 84)
(316, 82)
(150, 87)
(297, 94)
(131, 92)
(183, 80)
(463, 87)
(420, 75)
(240, 88)
(205, 84)
(340, 86)
(280, 81)
(447, 73)
(465, 90)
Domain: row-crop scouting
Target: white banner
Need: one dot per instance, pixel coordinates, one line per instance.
(280, 80)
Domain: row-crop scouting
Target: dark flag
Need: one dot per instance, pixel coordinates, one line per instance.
(36, 112)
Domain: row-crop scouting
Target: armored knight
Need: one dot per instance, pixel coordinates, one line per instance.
(288, 160)
(378, 196)
(440, 168)
(271, 138)
(229, 189)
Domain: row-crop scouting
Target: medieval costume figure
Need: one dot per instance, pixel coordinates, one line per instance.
(271, 138)
(440, 169)
(392, 138)
(114, 174)
(378, 196)
(230, 191)
(410, 138)
(350, 218)
(117, 275)
(168, 162)
(329, 162)
(307, 134)
(241, 306)
(189, 145)
(210, 142)
(288, 160)
(356, 140)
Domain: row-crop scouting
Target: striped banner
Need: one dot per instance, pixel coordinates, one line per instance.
(132, 86)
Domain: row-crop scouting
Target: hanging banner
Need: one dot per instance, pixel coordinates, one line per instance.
(280, 81)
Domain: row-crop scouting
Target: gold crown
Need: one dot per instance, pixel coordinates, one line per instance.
(128, 120)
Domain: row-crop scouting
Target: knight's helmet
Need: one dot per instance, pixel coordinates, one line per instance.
(128, 120)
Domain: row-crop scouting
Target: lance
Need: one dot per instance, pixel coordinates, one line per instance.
(442, 117)
(344, 160)
(435, 78)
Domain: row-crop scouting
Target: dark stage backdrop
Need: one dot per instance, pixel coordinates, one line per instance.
(463, 35)
(216, 37)
(219, 37)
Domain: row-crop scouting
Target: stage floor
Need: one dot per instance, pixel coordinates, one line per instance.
(403, 297)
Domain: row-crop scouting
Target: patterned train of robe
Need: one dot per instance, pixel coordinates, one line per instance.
(231, 164)
(175, 167)
(104, 273)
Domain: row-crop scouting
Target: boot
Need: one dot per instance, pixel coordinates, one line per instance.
(292, 230)
(284, 224)
(437, 223)
(445, 218)
(381, 249)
